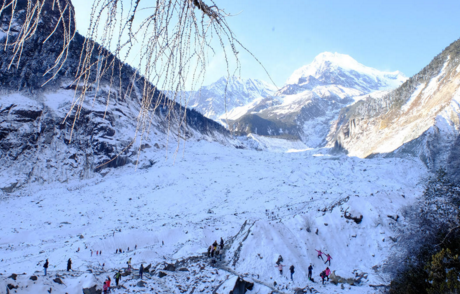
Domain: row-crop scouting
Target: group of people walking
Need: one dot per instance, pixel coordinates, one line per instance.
(216, 249)
(324, 274)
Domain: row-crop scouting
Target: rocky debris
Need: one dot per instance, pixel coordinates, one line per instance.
(81, 236)
(162, 274)
(170, 267)
(11, 286)
(357, 220)
(13, 276)
(141, 284)
(58, 281)
(92, 290)
(33, 278)
(183, 269)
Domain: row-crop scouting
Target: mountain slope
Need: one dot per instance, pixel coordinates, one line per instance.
(41, 141)
(312, 98)
(223, 98)
(420, 118)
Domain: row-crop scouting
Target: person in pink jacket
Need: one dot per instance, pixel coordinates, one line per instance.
(320, 254)
(328, 272)
(105, 288)
(280, 268)
(328, 259)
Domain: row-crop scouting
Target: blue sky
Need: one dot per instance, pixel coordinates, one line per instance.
(389, 35)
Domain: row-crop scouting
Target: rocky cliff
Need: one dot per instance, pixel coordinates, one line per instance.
(420, 118)
(43, 140)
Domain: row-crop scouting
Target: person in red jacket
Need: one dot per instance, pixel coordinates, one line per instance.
(105, 288)
(320, 254)
(108, 283)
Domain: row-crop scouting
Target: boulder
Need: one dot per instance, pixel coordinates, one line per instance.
(33, 278)
(241, 286)
(141, 284)
(162, 274)
(58, 281)
(170, 267)
(13, 276)
(11, 286)
(92, 290)
(183, 269)
(147, 268)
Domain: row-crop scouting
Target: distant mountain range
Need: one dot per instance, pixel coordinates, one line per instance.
(301, 110)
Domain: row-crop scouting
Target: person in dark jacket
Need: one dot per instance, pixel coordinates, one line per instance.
(69, 264)
(292, 272)
(141, 270)
(221, 243)
(209, 251)
(45, 266)
(310, 272)
(323, 276)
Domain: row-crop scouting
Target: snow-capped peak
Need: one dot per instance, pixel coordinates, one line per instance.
(336, 68)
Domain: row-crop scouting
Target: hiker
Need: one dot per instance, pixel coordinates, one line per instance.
(108, 281)
(328, 259)
(119, 250)
(209, 251)
(97, 252)
(91, 252)
(117, 277)
(310, 271)
(323, 276)
(215, 244)
(135, 247)
(220, 251)
(212, 251)
(100, 252)
(116, 251)
(103, 265)
(129, 264)
(327, 272)
(127, 250)
(141, 270)
(280, 268)
(69, 264)
(105, 288)
(45, 266)
(218, 254)
(280, 260)
(113, 234)
(292, 272)
(320, 254)
(221, 243)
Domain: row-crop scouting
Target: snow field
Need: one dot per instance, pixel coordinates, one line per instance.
(189, 200)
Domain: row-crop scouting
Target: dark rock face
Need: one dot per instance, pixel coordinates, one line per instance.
(453, 162)
(43, 139)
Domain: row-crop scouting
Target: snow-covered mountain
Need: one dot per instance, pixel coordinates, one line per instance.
(228, 97)
(422, 117)
(312, 98)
